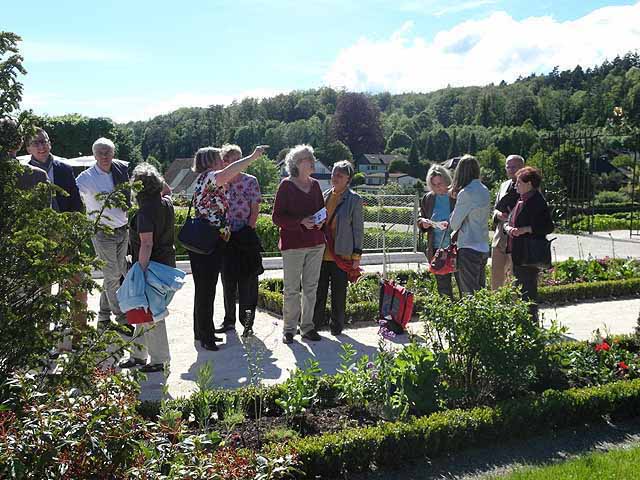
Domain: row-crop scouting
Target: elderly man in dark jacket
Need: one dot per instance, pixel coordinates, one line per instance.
(59, 173)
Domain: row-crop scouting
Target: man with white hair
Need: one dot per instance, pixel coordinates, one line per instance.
(506, 200)
(110, 246)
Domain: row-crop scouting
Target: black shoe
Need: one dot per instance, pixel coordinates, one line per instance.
(152, 367)
(312, 335)
(287, 338)
(336, 331)
(215, 339)
(225, 328)
(247, 332)
(211, 346)
(132, 362)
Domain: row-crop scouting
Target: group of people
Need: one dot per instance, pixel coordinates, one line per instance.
(321, 233)
(458, 209)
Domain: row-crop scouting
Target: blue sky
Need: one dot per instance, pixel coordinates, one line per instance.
(130, 60)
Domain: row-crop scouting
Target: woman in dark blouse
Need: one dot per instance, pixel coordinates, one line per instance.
(530, 218)
(151, 239)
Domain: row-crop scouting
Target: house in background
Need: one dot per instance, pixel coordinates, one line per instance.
(375, 167)
(375, 162)
(180, 177)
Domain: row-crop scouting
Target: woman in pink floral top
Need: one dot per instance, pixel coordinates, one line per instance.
(243, 260)
(210, 202)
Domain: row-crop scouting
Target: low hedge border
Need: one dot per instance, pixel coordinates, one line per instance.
(393, 444)
(587, 291)
(327, 390)
(271, 300)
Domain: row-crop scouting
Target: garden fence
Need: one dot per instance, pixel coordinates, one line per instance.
(388, 220)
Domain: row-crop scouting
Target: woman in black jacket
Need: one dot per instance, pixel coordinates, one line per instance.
(530, 218)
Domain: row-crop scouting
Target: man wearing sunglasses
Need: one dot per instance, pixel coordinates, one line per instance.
(60, 174)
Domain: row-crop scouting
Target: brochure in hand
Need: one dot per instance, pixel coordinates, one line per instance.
(320, 216)
(439, 225)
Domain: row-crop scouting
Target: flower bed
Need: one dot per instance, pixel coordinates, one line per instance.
(352, 422)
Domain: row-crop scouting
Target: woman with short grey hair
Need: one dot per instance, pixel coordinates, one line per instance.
(151, 239)
(435, 208)
(344, 232)
(301, 242)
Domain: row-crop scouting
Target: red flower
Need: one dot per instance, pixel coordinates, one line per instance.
(604, 346)
(623, 366)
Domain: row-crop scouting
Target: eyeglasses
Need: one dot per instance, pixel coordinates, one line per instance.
(39, 143)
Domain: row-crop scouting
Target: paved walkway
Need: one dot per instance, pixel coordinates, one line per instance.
(276, 359)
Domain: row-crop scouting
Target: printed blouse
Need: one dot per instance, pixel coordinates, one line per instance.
(210, 200)
(241, 193)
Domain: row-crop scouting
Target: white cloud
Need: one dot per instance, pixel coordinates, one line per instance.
(478, 52)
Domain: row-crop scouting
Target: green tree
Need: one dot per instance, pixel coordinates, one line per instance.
(268, 175)
(430, 149)
(472, 148)
(398, 139)
(399, 165)
(416, 167)
(358, 179)
(454, 148)
(154, 161)
(334, 152)
(40, 248)
(441, 143)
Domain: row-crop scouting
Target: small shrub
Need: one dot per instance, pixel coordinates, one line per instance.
(491, 344)
(609, 197)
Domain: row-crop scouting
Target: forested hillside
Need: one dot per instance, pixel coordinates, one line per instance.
(427, 127)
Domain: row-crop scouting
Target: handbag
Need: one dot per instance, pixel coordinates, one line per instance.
(537, 252)
(395, 306)
(444, 259)
(198, 235)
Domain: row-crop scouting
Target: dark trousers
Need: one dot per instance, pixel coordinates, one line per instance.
(245, 290)
(331, 273)
(527, 280)
(205, 270)
(445, 285)
(471, 270)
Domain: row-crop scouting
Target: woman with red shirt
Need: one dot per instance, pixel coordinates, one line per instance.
(301, 242)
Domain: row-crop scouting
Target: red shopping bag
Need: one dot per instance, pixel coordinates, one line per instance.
(139, 315)
(396, 305)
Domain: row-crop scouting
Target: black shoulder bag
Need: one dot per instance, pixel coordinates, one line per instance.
(537, 252)
(198, 235)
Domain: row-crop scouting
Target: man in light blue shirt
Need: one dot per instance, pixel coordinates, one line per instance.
(110, 247)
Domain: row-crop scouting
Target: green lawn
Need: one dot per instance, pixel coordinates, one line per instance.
(614, 465)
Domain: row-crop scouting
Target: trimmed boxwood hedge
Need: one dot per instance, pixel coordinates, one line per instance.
(585, 291)
(395, 443)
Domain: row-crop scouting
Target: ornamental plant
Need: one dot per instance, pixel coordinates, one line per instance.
(300, 390)
(598, 362)
(492, 348)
